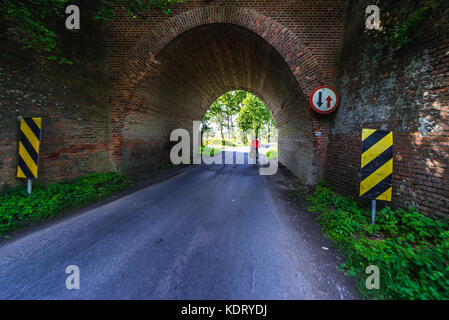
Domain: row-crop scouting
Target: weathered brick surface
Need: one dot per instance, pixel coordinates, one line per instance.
(274, 49)
(73, 102)
(117, 111)
(407, 93)
(175, 67)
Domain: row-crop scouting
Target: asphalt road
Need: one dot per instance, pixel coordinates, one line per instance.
(210, 232)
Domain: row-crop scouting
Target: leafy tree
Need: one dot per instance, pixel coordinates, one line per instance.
(225, 108)
(205, 125)
(232, 103)
(33, 23)
(268, 129)
(250, 111)
(217, 115)
(234, 100)
(253, 115)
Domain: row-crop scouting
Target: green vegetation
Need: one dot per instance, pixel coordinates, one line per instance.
(34, 23)
(237, 109)
(208, 151)
(411, 20)
(410, 249)
(253, 115)
(19, 209)
(291, 195)
(272, 153)
(164, 166)
(222, 111)
(222, 142)
(403, 23)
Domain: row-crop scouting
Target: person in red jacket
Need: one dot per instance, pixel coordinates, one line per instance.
(254, 149)
(255, 144)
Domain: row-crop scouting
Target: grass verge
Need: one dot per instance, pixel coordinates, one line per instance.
(19, 209)
(210, 151)
(410, 249)
(222, 143)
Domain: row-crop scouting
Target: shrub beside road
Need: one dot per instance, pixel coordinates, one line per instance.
(19, 209)
(410, 249)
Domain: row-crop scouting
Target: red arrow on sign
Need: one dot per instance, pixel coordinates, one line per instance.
(318, 104)
(328, 99)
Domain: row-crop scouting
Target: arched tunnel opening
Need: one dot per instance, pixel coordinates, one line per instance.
(94, 110)
(196, 68)
(239, 122)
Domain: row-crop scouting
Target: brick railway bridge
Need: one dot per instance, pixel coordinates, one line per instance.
(115, 107)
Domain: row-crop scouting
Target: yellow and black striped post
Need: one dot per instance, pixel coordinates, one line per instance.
(377, 165)
(29, 144)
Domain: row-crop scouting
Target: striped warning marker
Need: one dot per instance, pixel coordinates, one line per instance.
(29, 143)
(377, 164)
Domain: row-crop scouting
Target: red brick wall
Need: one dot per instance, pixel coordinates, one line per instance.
(317, 24)
(279, 50)
(117, 111)
(406, 92)
(73, 101)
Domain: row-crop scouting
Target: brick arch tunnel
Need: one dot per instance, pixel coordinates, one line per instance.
(176, 85)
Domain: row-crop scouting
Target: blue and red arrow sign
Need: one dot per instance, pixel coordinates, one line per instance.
(324, 99)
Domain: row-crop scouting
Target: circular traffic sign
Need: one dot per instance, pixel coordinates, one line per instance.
(324, 99)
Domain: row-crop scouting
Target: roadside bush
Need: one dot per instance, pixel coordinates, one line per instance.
(272, 154)
(208, 151)
(410, 249)
(19, 209)
(161, 167)
(224, 142)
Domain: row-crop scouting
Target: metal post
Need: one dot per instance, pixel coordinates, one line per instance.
(29, 186)
(373, 211)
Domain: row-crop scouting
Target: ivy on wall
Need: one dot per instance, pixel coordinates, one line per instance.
(412, 21)
(34, 23)
(405, 21)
